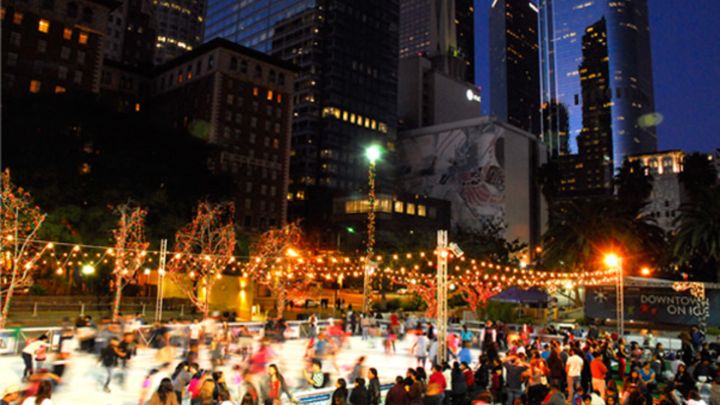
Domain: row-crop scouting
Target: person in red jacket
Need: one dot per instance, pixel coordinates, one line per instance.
(598, 370)
(469, 377)
(436, 387)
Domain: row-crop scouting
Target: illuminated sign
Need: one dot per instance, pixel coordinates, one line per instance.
(472, 96)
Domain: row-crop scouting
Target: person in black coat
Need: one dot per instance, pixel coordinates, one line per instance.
(397, 395)
(339, 396)
(374, 387)
(458, 386)
(359, 394)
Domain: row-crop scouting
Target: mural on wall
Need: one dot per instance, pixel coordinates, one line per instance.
(462, 165)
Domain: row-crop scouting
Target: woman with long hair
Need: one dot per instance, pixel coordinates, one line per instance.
(276, 386)
(165, 394)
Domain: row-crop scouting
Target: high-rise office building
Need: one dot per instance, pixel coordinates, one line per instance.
(440, 29)
(590, 172)
(629, 90)
(514, 71)
(241, 101)
(180, 25)
(345, 94)
(132, 33)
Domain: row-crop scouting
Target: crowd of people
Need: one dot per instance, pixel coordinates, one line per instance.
(209, 363)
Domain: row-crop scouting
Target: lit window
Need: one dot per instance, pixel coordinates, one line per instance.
(137, 107)
(83, 38)
(279, 98)
(399, 206)
(345, 115)
(34, 86)
(67, 33)
(367, 122)
(256, 91)
(289, 196)
(300, 195)
(410, 209)
(421, 210)
(44, 25)
(359, 120)
(352, 118)
(59, 89)
(18, 17)
(382, 127)
(269, 95)
(373, 124)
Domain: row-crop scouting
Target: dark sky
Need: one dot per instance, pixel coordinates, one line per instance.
(685, 37)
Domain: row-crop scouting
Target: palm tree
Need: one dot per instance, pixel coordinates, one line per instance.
(697, 239)
(585, 229)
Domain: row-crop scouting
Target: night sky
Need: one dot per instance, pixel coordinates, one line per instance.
(685, 39)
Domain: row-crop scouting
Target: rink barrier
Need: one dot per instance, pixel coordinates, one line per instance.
(12, 340)
(323, 396)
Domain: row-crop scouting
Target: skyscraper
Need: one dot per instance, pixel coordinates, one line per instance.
(514, 71)
(345, 93)
(629, 88)
(180, 26)
(132, 32)
(440, 27)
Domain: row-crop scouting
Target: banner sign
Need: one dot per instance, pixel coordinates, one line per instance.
(655, 304)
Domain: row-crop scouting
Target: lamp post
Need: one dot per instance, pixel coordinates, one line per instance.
(372, 153)
(614, 262)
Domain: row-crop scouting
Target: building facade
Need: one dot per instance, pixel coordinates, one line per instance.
(53, 46)
(443, 28)
(667, 193)
(514, 68)
(563, 23)
(399, 219)
(180, 27)
(241, 101)
(485, 167)
(132, 33)
(346, 92)
(427, 97)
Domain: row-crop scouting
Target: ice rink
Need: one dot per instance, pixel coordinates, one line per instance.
(83, 380)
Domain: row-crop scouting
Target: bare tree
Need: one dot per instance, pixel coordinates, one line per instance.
(21, 220)
(203, 249)
(130, 249)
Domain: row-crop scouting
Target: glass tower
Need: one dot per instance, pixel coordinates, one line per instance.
(420, 32)
(629, 87)
(345, 92)
(514, 81)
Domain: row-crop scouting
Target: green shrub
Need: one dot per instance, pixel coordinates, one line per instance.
(37, 289)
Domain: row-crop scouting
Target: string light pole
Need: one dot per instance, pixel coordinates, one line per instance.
(372, 153)
(614, 262)
(442, 315)
(160, 283)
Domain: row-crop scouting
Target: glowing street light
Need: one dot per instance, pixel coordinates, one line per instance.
(612, 260)
(645, 271)
(373, 153)
(88, 269)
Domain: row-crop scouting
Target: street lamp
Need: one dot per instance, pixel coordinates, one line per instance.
(614, 262)
(373, 154)
(88, 269)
